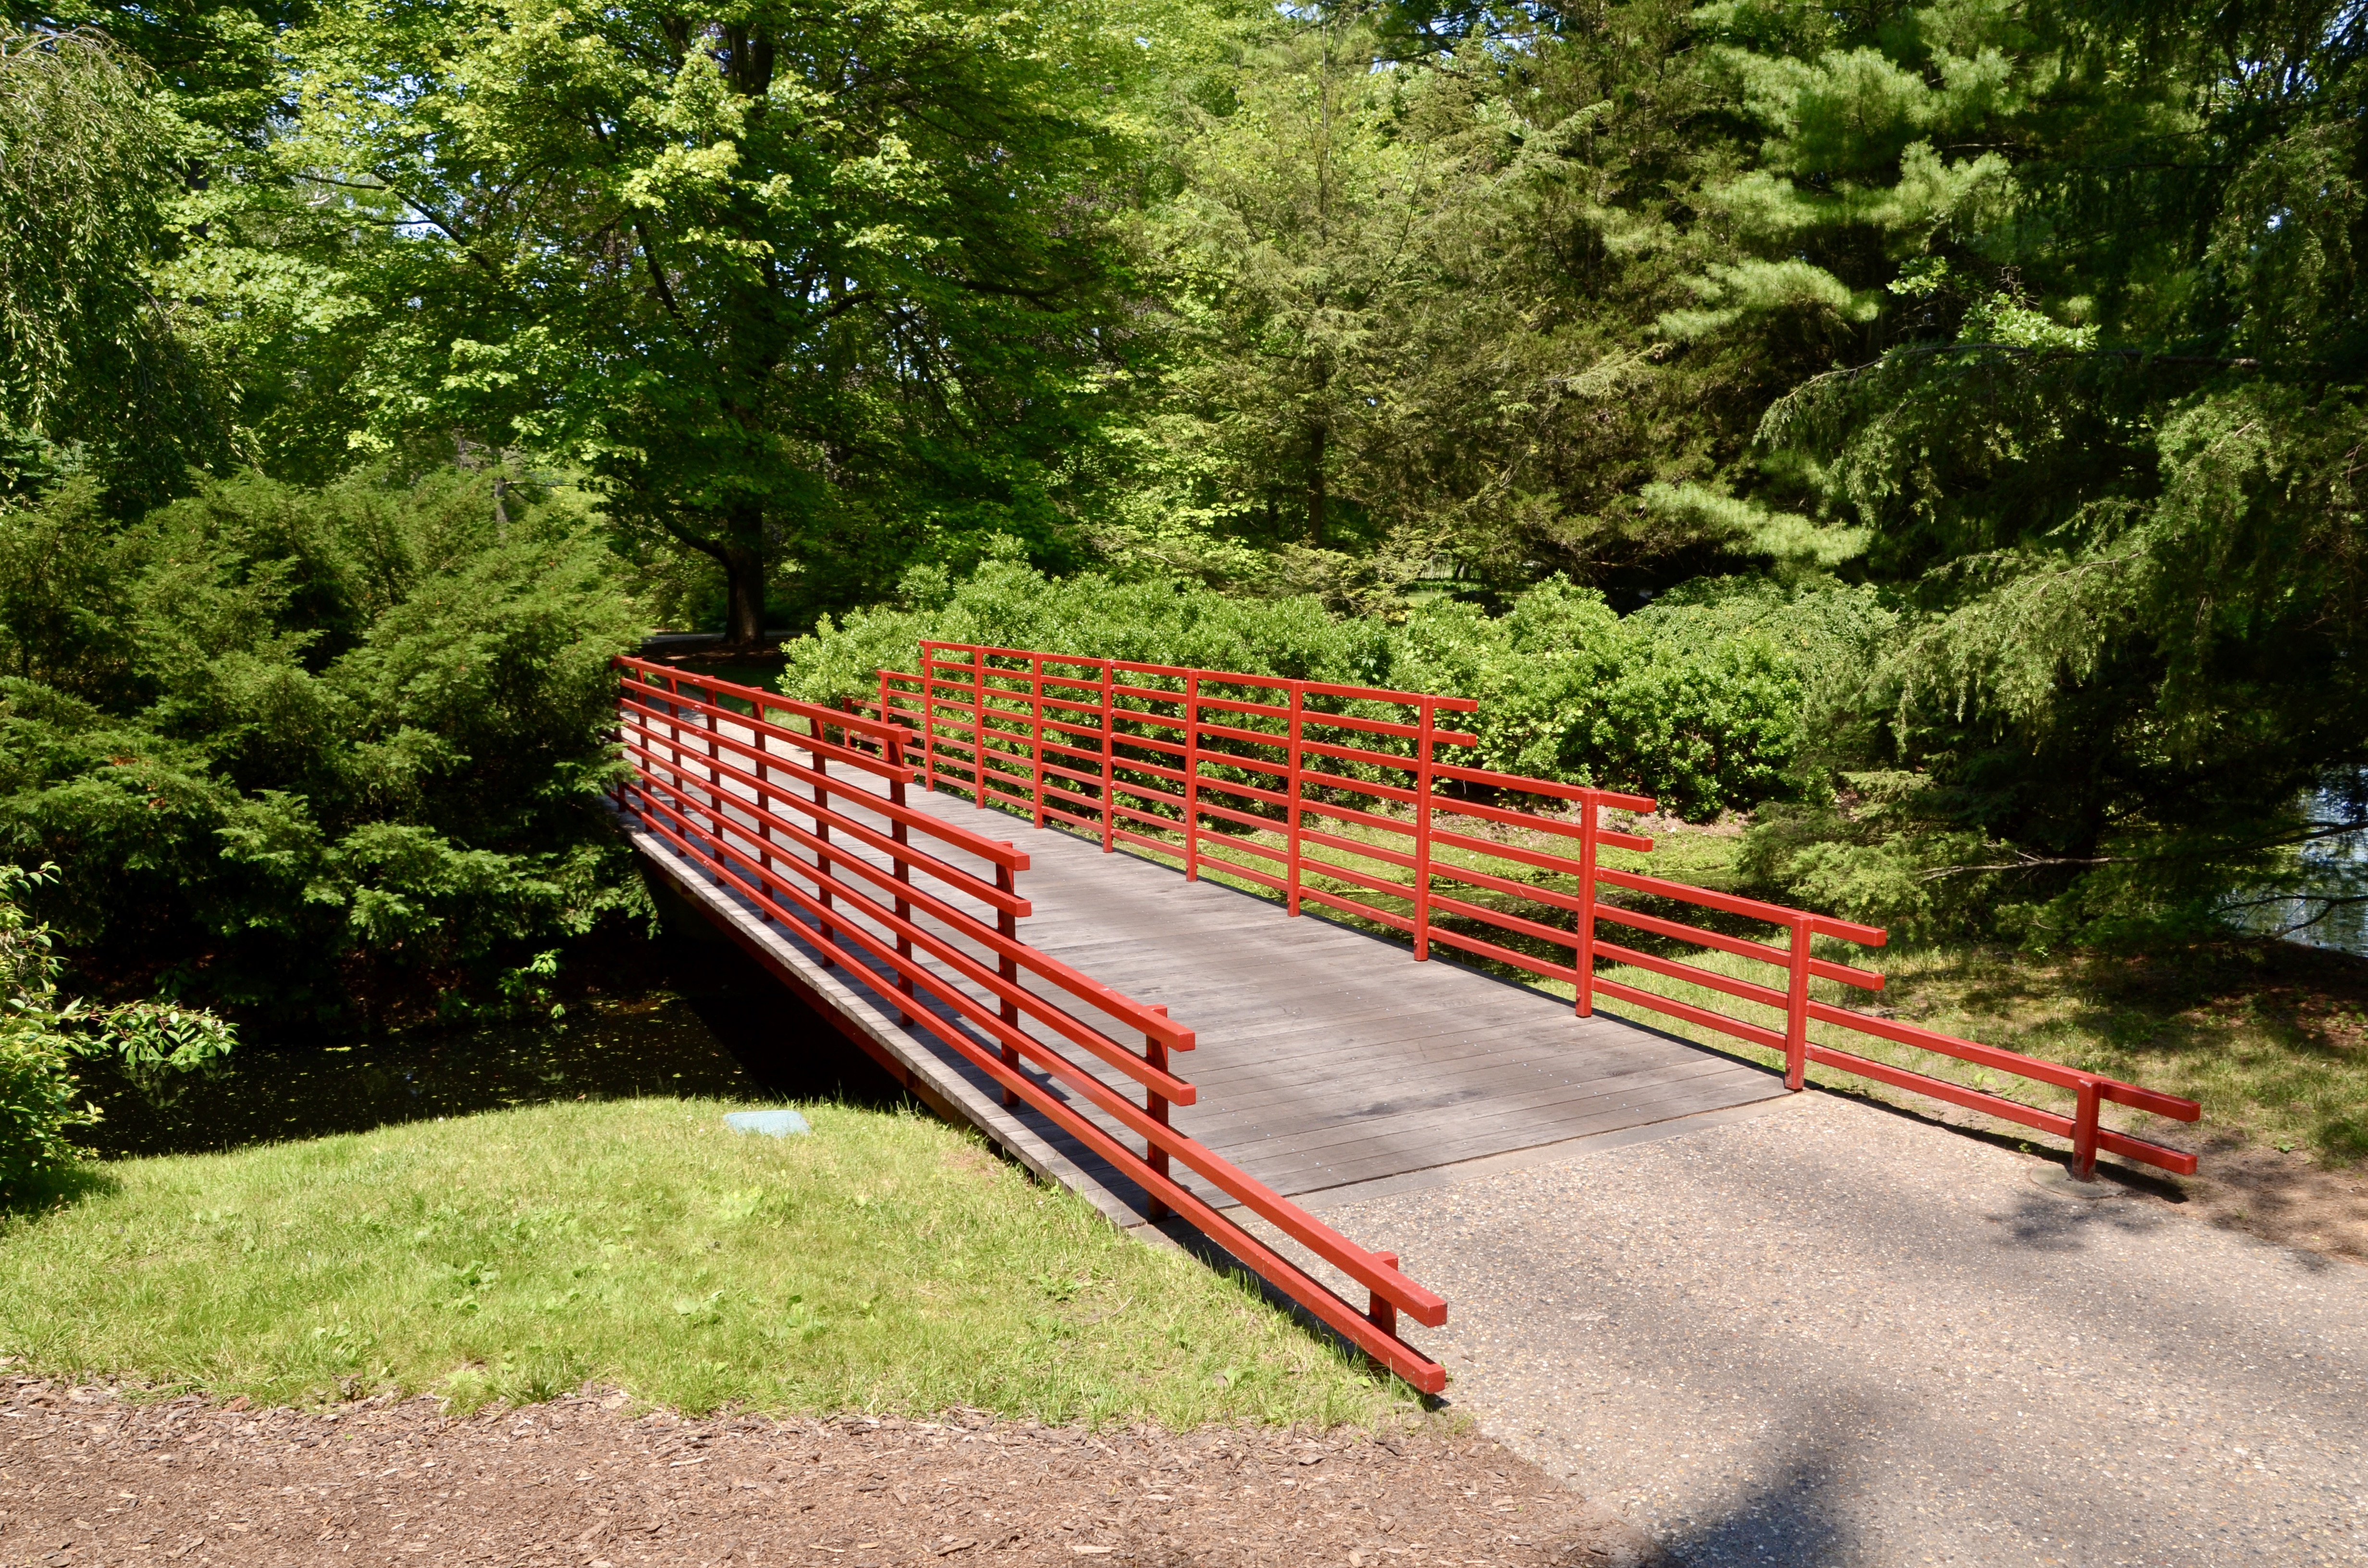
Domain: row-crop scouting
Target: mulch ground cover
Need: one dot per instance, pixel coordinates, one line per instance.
(89, 1478)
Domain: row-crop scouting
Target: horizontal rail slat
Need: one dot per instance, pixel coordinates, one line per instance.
(1749, 908)
(1543, 787)
(1709, 980)
(1742, 947)
(1703, 1016)
(2171, 1106)
(1084, 987)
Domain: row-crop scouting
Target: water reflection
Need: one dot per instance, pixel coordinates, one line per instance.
(2324, 901)
(701, 1020)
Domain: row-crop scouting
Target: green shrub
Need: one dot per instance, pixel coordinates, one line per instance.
(1698, 700)
(42, 1033)
(1005, 603)
(306, 751)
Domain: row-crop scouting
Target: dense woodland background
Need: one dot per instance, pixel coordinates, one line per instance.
(1930, 433)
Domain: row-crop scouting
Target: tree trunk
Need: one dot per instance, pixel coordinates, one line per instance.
(744, 595)
(1315, 434)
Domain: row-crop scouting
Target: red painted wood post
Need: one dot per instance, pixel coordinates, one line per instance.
(903, 873)
(1036, 734)
(764, 801)
(1422, 831)
(714, 779)
(1192, 778)
(1291, 865)
(1381, 1311)
(1007, 967)
(1110, 761)
(1154, 1105)
(978, 731)
(2084, 1130)
(822, 831)
(928, 719)
(1797, 1009)
(1583, 951)
(674, 723)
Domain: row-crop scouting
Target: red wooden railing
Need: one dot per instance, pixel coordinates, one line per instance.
(1260, 776)
(810, 825)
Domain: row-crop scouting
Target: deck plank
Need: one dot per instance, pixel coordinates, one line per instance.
(1326, 1055)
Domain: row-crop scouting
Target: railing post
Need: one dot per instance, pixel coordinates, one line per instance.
(1291, 865)
(674, 723)
(900, 836)
(1422, 831)
(1007, 924)
(1583, 951)
(978, 729)
(928, 719)
(1192, 778)
(714, 779)
(1154, 1105)
(1380, 1311)
(2084, 1130)
(1036, 734)
(763, 801)
(1797, 1009)
(1110, 761)
(822, 831)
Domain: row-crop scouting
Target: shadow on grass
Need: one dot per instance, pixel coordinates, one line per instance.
(2258, 1029)
(50, 1191)
(703, 1022)
(1217, 1260)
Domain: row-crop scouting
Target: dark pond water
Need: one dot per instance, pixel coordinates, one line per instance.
(2324, 901)
(694, 1019)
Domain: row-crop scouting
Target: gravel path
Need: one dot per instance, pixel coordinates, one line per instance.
(1834, 1335)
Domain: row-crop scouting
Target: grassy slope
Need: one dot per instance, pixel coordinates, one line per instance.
(2271, 1039)
(885, 1263)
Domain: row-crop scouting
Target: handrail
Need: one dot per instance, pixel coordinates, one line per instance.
(761, 700)
(708, 781)
(981, 728)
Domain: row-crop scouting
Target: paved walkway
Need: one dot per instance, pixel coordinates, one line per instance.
(1830, 1335)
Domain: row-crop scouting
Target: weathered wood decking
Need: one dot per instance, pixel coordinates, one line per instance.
(1326, 1059)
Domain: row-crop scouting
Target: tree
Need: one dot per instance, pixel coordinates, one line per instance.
(794, 282)
(1416, 277)
(94, 355)
(1293, 247)
(2089, 276)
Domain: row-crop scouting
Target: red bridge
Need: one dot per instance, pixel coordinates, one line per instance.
(855, 854)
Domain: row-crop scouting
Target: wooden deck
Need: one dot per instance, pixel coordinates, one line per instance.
(1326, 1059)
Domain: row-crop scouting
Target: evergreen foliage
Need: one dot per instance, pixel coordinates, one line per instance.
(300, 752)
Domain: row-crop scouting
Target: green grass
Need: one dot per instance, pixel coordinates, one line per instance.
(884, 1264)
